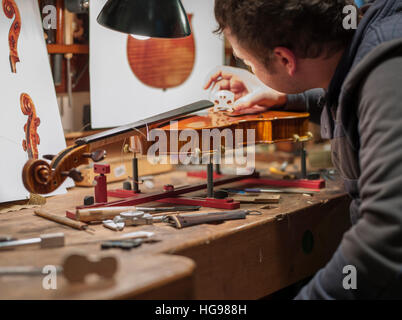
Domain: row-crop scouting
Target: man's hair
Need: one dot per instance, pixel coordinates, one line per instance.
(310, 28)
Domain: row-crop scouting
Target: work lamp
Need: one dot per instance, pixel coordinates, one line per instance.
(146, 18)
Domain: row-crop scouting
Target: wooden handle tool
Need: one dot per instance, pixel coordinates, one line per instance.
(63, 220)
(186, 220)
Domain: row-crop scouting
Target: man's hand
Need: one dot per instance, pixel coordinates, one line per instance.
(260, 100)
(227, 81)
(251, 95)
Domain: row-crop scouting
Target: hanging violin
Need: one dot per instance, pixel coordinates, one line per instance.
(10, 9)
(42, 177)
(162, 63)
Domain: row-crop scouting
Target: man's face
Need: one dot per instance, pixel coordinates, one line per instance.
(277, 77)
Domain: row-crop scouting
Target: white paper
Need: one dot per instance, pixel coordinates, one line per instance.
(118, 97)
(34, 78)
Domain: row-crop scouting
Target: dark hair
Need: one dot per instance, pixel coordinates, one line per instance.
(309, 28)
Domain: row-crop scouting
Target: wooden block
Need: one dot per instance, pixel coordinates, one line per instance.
(260, 199)
(77, 266)
(52, 240)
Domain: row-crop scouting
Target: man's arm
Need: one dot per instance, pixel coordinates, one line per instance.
(311, 101)
(253, 96)
(374, 244)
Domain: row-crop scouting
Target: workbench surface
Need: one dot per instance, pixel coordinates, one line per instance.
(241, 259)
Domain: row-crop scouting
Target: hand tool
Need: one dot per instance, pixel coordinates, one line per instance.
(137, 235)
(122, 244)
(110, 224)
(282, 190)
(259, 199)
(275, 190)
(134, 218)
(4, 238)
(50, 240)
(127, 244)
(106, 213)
(63, 220)
(186, 220)
(75, 268)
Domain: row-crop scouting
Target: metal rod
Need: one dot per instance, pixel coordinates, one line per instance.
(136, 188)
(303, 161)
(210, 180)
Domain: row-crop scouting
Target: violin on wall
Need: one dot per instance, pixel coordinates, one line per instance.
(10, 9)
(32, 140)
(162, 63)
(42, 177)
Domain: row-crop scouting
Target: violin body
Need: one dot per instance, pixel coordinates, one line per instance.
(269, 127)
(10, 9)
(32, 140)
(162, 63)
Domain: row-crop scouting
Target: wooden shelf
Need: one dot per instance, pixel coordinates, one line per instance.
(63, 49)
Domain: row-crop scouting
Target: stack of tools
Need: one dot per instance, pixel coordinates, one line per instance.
(108, 213)
(128, 218)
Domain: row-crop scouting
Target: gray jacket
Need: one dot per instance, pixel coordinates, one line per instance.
(362, 115)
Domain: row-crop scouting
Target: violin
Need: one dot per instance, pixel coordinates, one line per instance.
(42, 177)
(269, 127)
(32, 140)
(10, 9)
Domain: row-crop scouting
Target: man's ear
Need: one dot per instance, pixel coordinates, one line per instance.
(287, 59)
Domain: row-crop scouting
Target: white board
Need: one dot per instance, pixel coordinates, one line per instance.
(33, 77)
(118, 97)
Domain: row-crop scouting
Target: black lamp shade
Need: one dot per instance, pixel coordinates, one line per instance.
(151, 18)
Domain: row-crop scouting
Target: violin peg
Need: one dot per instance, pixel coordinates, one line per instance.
(96, 156)
(49, 157)
(73, 174)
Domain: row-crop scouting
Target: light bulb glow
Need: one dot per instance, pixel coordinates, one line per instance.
(140, 37)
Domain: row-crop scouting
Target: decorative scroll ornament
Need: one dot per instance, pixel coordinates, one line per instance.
(31, 141)
(10, 9)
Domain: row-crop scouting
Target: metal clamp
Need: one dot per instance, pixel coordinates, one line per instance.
(306, 138)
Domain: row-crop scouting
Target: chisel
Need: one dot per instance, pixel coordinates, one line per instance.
(50, 240)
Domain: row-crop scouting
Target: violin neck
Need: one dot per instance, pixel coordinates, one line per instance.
(166, 116)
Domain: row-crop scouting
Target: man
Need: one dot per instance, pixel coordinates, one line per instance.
(296, 46)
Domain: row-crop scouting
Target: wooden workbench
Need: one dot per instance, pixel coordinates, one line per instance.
(242, 259)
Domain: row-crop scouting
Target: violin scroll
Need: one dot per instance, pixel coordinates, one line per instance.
(42, 177)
